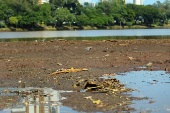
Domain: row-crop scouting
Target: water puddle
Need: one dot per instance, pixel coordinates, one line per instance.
(152, 84)
(36, 100)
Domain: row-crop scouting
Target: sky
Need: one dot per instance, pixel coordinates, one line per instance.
(145, 2)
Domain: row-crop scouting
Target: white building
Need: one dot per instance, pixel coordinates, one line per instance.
(43, 1)
(138, 2)
(92, 4)
(104, 0)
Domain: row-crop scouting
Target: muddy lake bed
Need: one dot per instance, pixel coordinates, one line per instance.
(151, 84)
(85, 75)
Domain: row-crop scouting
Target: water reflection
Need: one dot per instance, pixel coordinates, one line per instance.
(37, 100)
(152, 84)
(86, 33)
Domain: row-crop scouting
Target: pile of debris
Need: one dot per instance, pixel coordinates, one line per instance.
(103, 85)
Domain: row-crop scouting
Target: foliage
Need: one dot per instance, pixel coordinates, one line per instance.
(63, 15)
(82, 20)
(28, 13)
(129, 24)
(3, 25)
(57, 3)
(13, 20)
(150, 13)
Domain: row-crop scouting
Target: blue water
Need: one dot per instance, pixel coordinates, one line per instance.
(152, 84)
(86, 33)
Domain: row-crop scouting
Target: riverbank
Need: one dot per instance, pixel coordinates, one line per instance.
(31, 64)
(50, 28)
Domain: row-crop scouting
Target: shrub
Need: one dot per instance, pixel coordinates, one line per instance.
(157, 23)
(3, 25)
(133, 21)
(166, 22)
(129, 24)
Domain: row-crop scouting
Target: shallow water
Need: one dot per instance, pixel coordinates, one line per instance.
(151, 84)
(47, 100)
(38, 39)
(155, 85)
(86, 33)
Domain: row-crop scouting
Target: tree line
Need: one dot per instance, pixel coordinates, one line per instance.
(30, 14)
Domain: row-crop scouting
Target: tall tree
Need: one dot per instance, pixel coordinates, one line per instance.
(57, 3)
(82, 20)
(45, 10)
(63, 15)
(71, 5)
(150, 13)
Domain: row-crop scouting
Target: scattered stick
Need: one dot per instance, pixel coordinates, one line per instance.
(69, 71)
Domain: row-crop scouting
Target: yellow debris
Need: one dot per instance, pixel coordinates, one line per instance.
(69, 71)
(97, 102)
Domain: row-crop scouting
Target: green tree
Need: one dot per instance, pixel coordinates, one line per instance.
(163, 16)
(137, 9)
(13, 20)
(79, 9)
(92, 22)
(45, 11)
(63, 15)
(82, 20)
(150, 13)
(30, 19)
(3, 8)
(71, 5)
(158, 4)
(57, 3)
(1, 15)
(168, 13)
(8, 13)
(166, 4)
(34, 18)
(102, 20)
(131, 15)
(122, 2)
(110, 20)
(21, 5)
(119, 13)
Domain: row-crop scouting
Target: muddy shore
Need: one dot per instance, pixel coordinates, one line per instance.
(30, 64)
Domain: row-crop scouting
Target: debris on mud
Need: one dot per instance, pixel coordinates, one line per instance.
(31, 63)
(7, 101)
(69, 71)
(103, 85)
(88, 48)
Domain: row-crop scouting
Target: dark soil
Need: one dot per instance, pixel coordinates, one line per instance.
(29, 64)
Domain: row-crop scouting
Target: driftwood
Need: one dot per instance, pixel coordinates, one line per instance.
(69, 71)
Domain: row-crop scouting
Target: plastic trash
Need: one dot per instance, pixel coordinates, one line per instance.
(149, 64)
(88, 48)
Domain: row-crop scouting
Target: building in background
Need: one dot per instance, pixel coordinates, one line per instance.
(43, 1)
(79, 2)
(125, 1)
(141, 2)
(138, 2)
(92, 4)
(104, 0)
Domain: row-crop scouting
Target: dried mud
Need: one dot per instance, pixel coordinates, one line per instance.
(31, 64)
